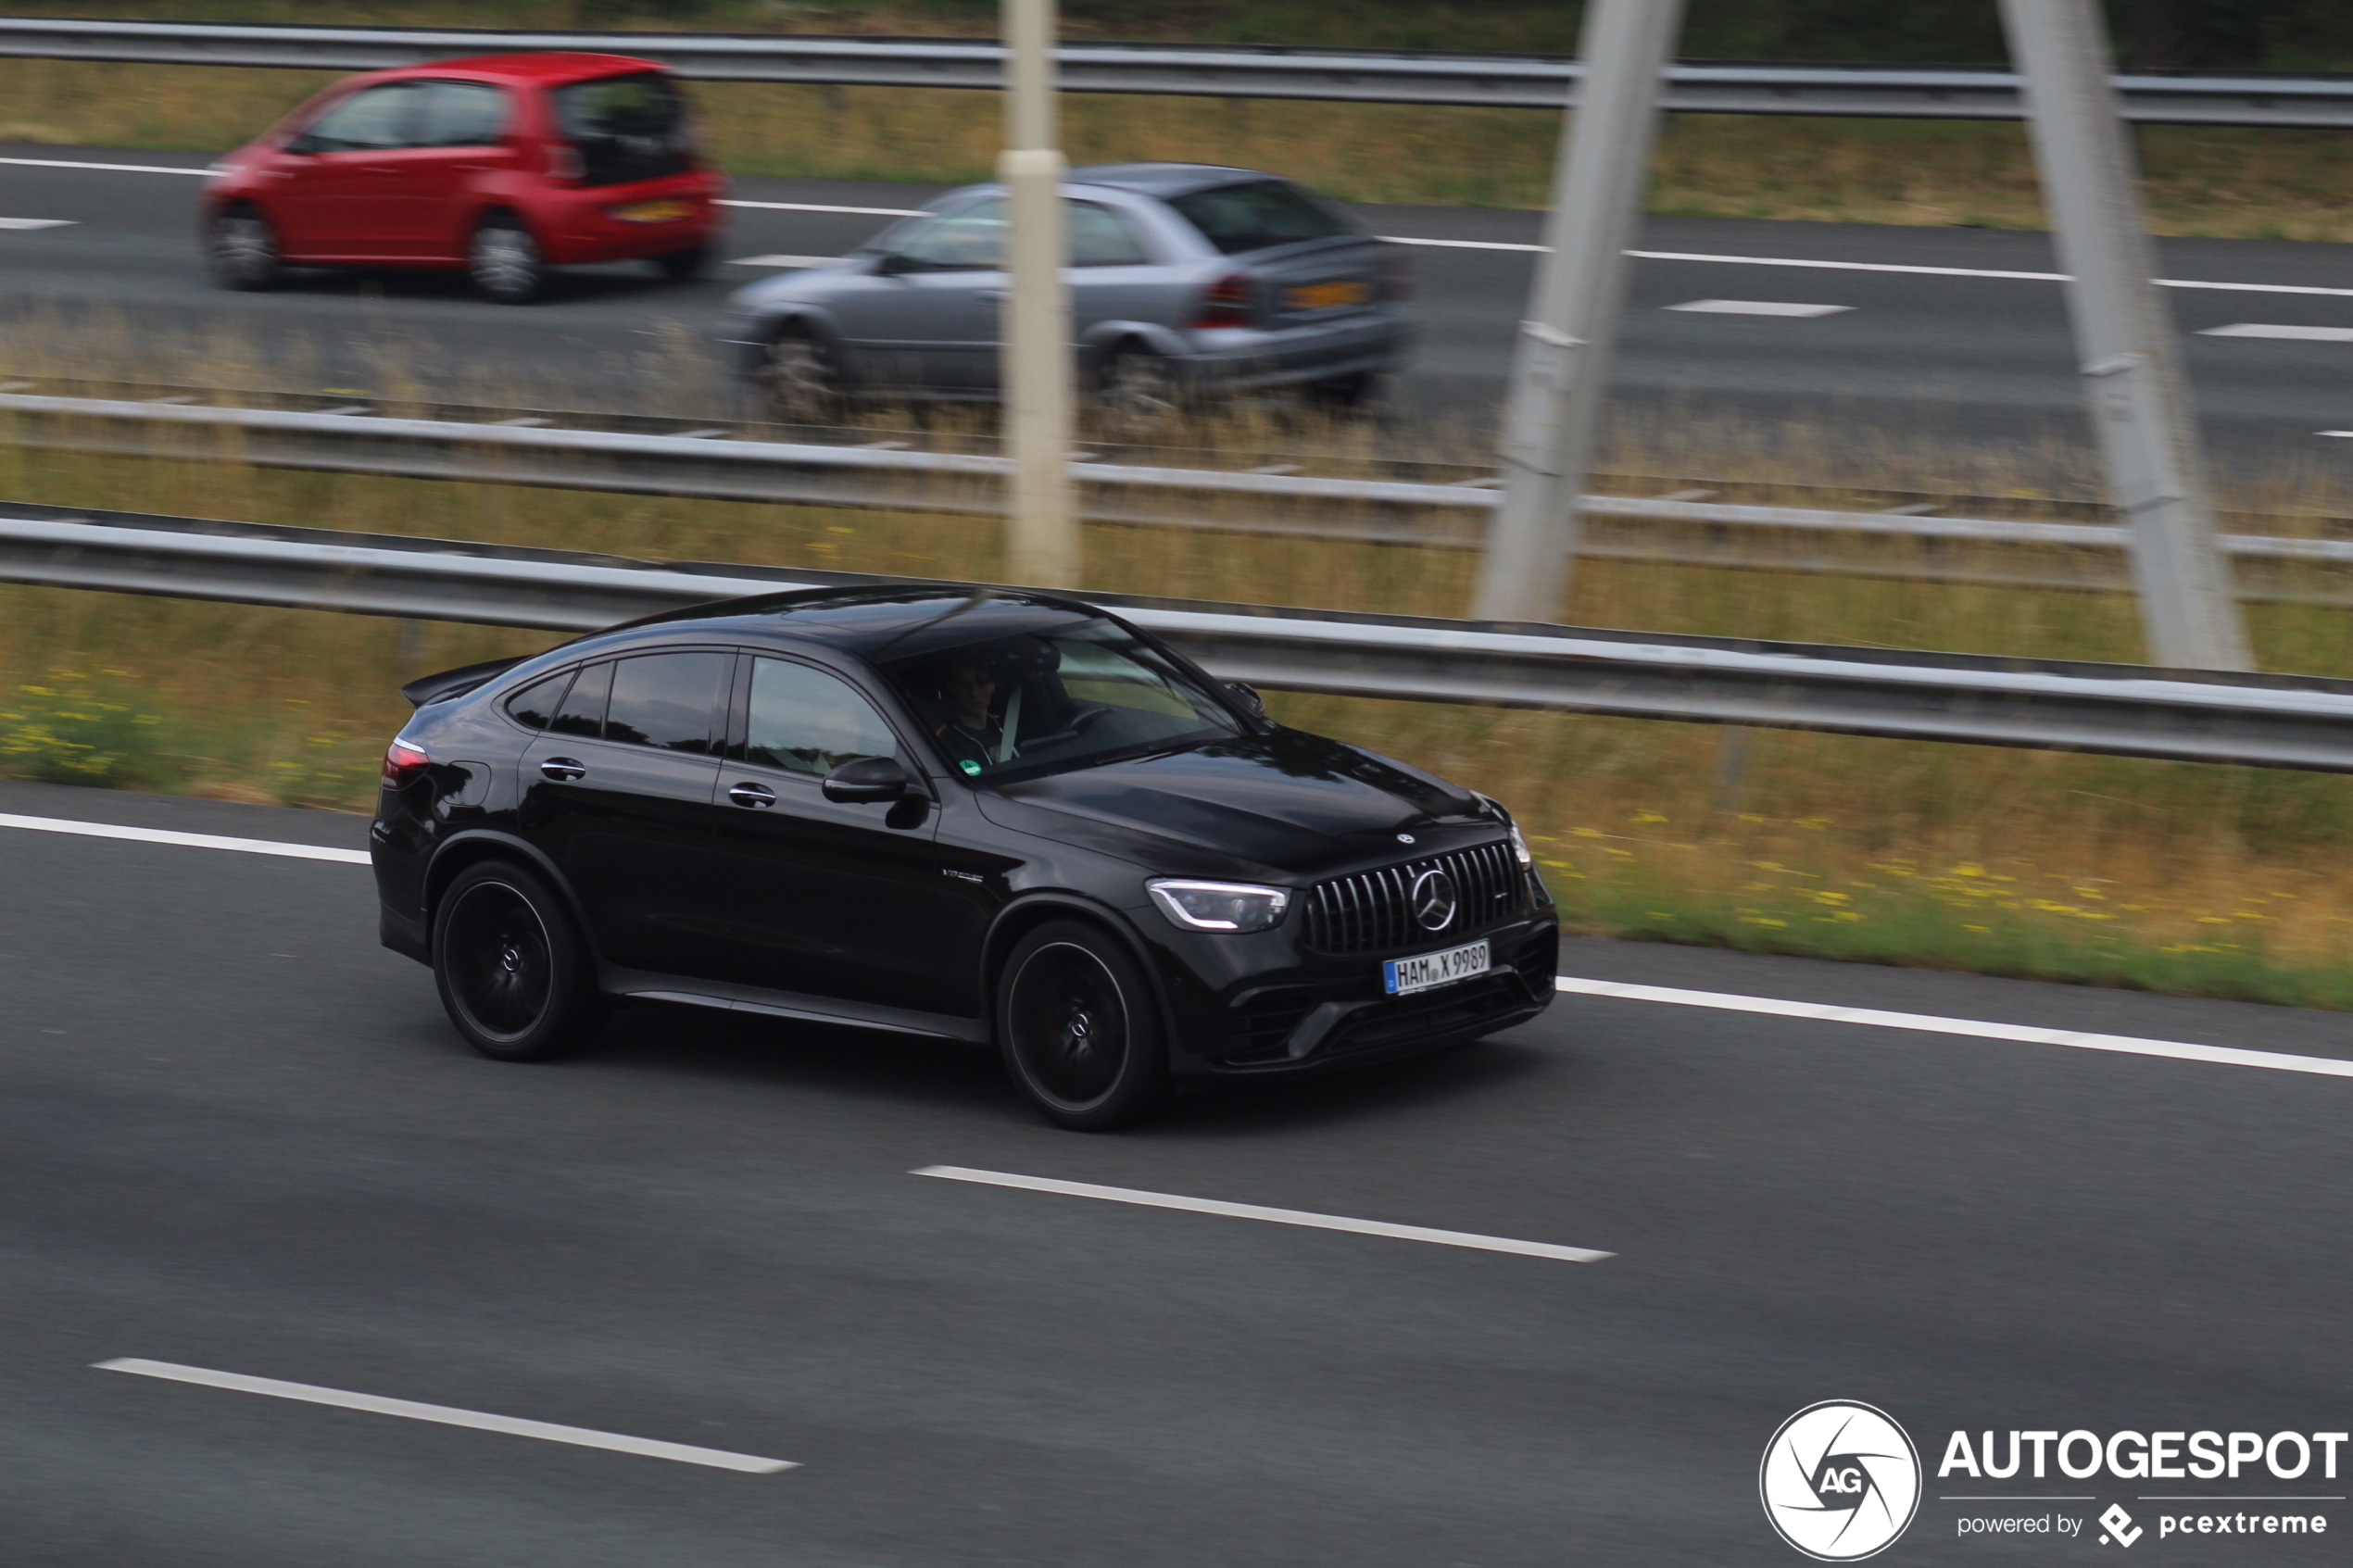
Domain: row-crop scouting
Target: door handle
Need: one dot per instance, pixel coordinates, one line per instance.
(991, 295)
(752, 795)
(563, 769)
(387, 173)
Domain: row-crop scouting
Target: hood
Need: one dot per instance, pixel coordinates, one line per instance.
(1286, 800)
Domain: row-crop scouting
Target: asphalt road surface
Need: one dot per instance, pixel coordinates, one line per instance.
(240, 1137)
(1926, 356)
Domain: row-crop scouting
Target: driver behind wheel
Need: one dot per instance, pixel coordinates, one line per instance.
(972, 733)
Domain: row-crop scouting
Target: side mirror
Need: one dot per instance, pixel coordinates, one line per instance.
(867, 781)
(891, 264)
(1246, 695)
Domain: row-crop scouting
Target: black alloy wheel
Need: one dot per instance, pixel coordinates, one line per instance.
(681, 265)
(513, 972)
(1078, 1029)
(242, 249)
(506, 262)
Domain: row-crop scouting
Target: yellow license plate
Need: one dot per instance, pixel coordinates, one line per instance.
(654, 212)
(1323, 297)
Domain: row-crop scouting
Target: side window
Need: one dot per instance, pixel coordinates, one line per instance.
(971, 240)
(370, 121)
(583, 712)
(809, 721)
(461, 114)
(535, 706)
(668, 700)
(1100, 237)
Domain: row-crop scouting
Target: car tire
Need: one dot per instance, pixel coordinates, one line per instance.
(1348, 394)
(797, 380)
(1138, 392)
(680, 265)
(241, 248)
(506, 262)
(1078, 1029)
(513, 972)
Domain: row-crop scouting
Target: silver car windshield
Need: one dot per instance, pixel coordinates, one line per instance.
(1047, 702)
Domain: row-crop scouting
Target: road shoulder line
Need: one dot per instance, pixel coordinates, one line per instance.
(185, 840)
(1927, 1024)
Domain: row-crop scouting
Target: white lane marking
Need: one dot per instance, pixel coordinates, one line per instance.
(820, 206)
(2345, 432)
(2265, 329)
(2228, 1056)
(581, 1436)
(782, 260)
(189, 840)
(36, 222)
(1273, 1216)
(120, 167)
(1882, 267)
(1757, 307)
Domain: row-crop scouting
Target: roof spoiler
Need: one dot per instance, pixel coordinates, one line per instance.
(457, 681)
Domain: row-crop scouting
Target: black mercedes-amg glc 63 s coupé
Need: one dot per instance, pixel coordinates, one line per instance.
(1004, 818)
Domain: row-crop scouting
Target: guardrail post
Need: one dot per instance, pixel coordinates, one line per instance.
(2131, 353)
(1042, 536)
(1554, 416)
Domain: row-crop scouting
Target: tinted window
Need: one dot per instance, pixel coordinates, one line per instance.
(809, 722)
(583, 711)
(461, 114)
(972, 239)
(626, 127)
(667, 699)
(367, 121)
(1100, 237)
(1262, 213)
(1046, 702)
(535, 706)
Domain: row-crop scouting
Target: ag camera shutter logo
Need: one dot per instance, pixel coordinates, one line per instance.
(1840, 1481)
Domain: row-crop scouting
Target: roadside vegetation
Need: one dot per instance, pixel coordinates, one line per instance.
(2200, 880)
(2233, 183)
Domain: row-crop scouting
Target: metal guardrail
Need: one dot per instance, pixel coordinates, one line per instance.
(1419, 513)
(2130, 710)
(1222, 70)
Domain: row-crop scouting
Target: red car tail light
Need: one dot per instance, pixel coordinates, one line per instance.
(404, 765)
(1227, 304)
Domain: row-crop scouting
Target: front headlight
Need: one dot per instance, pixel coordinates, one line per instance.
(1519, 843)
(1218, 906)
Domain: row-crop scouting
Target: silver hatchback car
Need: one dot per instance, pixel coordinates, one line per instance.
(1186, 280)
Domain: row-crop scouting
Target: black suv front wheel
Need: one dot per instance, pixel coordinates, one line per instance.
(1078, 1030)
(513, 972)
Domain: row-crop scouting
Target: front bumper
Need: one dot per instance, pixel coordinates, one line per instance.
(1309, 1012)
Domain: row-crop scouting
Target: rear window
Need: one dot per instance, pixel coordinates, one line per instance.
(1258, 214)
(627, 128)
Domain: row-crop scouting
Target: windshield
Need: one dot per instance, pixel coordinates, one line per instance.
(1045, 702)
(1259, 214)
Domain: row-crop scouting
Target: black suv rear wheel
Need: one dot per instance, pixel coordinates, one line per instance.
(513, 972)
(1078, 1030)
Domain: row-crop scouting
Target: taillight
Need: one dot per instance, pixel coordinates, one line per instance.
(1227, 304)
(404, 765)
(1396, 274)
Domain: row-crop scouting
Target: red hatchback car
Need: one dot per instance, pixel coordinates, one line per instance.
(504, 165)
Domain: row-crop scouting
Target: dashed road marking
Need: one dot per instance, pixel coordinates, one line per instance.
(186, 840)
(1272, 1216)
(36, 222)
(782, 260)
(545, 1431)
(2266, 329)
(1757, 307)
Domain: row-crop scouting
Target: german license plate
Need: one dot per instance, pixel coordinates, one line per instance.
(1323, 297)
(1402, 977)
(655, 212)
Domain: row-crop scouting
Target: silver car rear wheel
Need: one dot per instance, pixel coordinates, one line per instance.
(797, 382)
(1139, 393)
